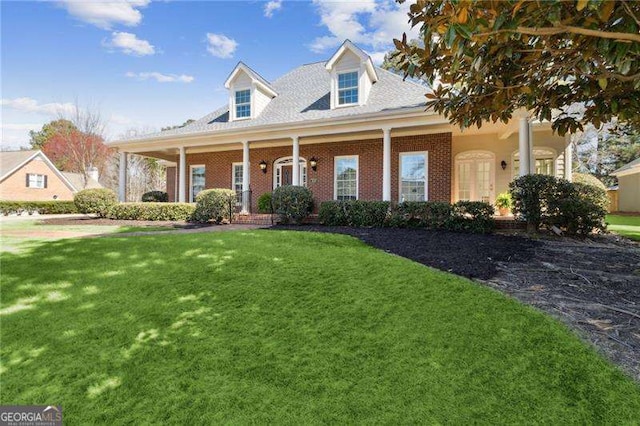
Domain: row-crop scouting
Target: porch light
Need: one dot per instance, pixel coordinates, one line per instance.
(503, 164)
(313, 162)
(263, 166)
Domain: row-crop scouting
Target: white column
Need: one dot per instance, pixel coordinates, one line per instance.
(568, 158)
(532, 157)
(386, 164)
(296, 161)
(523, 146)
(122, 183)
(246, 174)
(182, 181)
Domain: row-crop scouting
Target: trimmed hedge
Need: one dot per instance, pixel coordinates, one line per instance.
(576, 208)
(97, 201)
(214, 205)
(41, 207)
(292, 203)
(155, 197)
(151, 211)
(264, 203)
(464, 216)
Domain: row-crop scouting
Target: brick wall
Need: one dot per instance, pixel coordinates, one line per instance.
(219, 166)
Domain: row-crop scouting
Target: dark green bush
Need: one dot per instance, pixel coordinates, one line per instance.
(214, 205)
(366, 213)
(155, 197)
(472, 216)
(264, 203)
(529, 194)
(97, 201)
(151, 211)
(577, 208)
(332, 213)
(292, 203)
(423, 214)
(42, 207)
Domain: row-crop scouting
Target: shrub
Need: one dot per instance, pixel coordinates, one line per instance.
(425, 214)
(366, 213)
(529, 194)
(472, 216)
(292, 203)
(264, 203)
(332, 213)
(577, 208)
(214, 205)
(155, 197)
(151, 211)
(97, 201)
(588, 179)
(42, 207)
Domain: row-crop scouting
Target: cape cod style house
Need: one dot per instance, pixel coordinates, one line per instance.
(347, 130)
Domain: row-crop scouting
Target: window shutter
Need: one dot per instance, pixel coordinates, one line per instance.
(27, 180)
(45, 181)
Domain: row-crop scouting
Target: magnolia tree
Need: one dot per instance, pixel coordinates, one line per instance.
(486, 59)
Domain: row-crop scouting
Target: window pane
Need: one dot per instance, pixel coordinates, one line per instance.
(243, 97)
(346, 178)
(348, 88)
(347, 80)
(243, 111)
(197, 181)
(413, 181)
(348, 96)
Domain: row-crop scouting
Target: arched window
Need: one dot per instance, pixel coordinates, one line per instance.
(546, 162)
(283, 172)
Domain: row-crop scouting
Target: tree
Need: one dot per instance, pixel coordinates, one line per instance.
(601, 151)
(40, 138)
(495, 57)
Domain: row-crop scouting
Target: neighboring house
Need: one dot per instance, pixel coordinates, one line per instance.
(347, 130)
(629, 186)
(31, 176)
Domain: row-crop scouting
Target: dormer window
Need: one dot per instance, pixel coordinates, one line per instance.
(243, 103)
(348, 88)
(352, 75)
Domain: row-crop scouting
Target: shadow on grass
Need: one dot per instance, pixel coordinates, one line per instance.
(268, 326)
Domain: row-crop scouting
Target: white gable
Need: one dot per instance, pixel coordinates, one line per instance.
(350, 58)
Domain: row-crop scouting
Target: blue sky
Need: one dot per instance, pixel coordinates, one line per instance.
(144, 65)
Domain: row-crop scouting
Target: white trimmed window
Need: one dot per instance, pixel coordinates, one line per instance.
(346, 178)
(197, 181)
(348, 88)
(243, 103)
(36, 181)
(236, 180)
(413, 176)
(545, 162)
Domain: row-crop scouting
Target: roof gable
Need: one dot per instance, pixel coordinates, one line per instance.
(12, 161)
(348, 46)
(256, 78)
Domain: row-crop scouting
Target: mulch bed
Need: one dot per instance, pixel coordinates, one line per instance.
(592, 285)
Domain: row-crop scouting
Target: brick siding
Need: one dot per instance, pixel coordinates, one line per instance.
(219, 166)
(14, 187)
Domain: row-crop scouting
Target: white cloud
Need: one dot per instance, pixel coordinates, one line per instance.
(20, 126)
(105, 14)
(220, 45)
(271, 7)
(373, 23)
(377, 57)
(161, 78)
(130, 44)
(33, 106)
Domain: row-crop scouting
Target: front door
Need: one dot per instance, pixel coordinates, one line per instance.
(287, 174)
(475, 176)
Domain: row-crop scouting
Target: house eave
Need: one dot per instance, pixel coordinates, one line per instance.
(299, 128)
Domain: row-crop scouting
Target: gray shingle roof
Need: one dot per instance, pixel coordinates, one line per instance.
(77, 180)
(304, 95)
(9, 160)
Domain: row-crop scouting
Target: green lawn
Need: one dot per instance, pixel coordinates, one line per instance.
(284, 327)
(628, 226)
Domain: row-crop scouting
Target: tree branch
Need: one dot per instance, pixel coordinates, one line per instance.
(547, 31)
